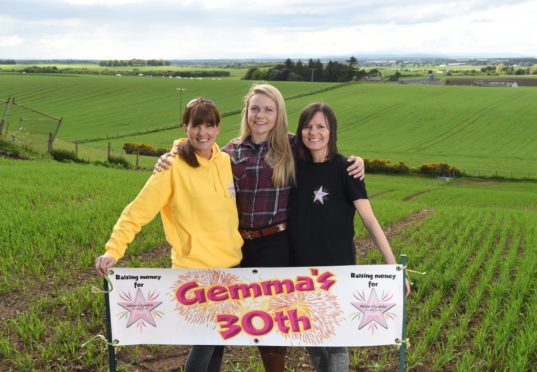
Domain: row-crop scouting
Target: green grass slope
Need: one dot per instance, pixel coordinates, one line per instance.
(483, 131)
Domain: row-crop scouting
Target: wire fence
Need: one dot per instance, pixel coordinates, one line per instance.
(28, 127)
(501, 173)
(111, 152)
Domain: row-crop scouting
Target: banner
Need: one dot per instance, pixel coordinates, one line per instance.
(295, 306)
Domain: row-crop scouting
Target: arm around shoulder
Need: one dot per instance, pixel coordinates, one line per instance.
(357, 168)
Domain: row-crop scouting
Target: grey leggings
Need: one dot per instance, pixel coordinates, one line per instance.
(204, 358)
(329, 359)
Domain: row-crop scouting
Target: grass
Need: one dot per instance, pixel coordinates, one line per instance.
(474, 309)
(468, 312)
(100, 106)
(43, 218)
(485, 132)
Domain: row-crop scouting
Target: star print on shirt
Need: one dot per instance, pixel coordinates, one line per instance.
(319, 195)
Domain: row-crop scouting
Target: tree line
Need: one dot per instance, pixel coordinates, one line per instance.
(313, 70)
(135, 72)
(501, 68)
(134, 62)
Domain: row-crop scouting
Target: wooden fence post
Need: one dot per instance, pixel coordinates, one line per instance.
(50, 140)
(4, 116)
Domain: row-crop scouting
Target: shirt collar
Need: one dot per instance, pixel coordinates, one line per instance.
(248, 142)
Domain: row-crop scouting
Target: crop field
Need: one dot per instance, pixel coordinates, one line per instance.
(480, 130)
(483, 131)
(234, 73)
(475, 238)
(473, 310)
(101, 106)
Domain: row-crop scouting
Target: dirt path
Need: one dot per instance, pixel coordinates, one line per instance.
(414, 196)
(380, 193)
(366, 244)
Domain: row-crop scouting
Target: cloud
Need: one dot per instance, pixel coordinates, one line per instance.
(102, 29)
(10, 41)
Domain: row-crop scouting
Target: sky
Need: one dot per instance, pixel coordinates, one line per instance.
(222, 29)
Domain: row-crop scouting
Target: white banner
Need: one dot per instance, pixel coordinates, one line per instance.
(295, 306)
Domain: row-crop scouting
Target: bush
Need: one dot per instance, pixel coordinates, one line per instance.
(10, 149)
(143, 149)
(120, 161)
(385, 166)
(400, 168)
(64, 155)
(440, 169)
(394, 77)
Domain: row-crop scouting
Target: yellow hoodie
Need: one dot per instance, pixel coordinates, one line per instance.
(198, 210)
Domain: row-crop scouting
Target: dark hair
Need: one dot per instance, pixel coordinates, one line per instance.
(200, 112)
(305, 117)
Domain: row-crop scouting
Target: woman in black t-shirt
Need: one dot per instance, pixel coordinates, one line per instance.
(322, 206)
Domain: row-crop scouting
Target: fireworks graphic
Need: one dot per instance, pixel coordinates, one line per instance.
(205, 313)
(320, 307)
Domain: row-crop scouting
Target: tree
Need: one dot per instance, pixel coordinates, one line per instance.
(249, 74)
(395, 77)
(302, 70)
(374, 72)
(500, 68)
(533, 69)
(289, 64)
(352, 61)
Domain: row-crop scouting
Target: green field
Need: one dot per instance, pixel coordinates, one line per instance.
(483, 131)
(474, 310)
(234, 73)
(476, 238)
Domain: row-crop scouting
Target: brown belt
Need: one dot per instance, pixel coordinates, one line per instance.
(266, 231)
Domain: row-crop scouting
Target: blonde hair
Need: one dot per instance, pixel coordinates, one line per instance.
(280, 155)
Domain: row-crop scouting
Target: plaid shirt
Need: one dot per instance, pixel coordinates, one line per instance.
(260, 204)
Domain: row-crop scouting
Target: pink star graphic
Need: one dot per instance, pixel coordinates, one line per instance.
(318, 195)
(373, 310)
(140, 309)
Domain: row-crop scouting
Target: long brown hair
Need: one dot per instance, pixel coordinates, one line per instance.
(197, 111)
(305, 117)
(279, 155)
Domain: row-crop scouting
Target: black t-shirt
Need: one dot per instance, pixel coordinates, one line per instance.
(321, 218)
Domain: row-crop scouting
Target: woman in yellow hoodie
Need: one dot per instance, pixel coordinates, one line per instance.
(197, 204)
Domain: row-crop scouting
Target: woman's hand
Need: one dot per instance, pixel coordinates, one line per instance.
(357, 168)
(407, 286)
(163, 162)
(103, 263)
